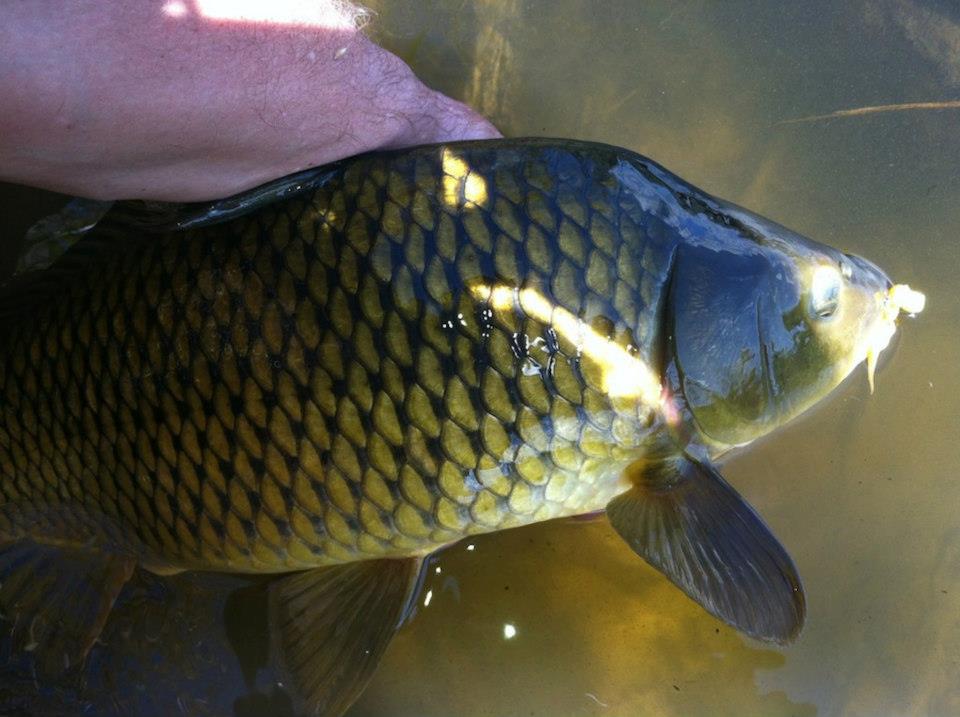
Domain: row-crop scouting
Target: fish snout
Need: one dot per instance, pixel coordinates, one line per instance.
(885, 300)
(866, 274)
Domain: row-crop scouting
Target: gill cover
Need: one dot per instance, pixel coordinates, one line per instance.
(728, 323)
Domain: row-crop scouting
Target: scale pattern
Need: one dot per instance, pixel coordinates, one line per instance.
(328, 378)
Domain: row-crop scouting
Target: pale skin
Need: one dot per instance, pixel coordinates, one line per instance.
(186, 100)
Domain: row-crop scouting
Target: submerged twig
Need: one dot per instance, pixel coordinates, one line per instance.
(596, 699)
(875, 109)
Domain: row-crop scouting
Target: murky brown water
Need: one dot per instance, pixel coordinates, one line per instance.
(864, 493)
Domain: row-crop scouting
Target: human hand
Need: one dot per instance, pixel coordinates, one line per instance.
(186, 100)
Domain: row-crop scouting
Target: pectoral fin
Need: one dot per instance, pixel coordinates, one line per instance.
(688, 523)
(332, 625)
(57, 600)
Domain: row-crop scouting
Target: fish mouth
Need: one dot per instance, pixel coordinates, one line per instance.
(884, 303)
(897, 298)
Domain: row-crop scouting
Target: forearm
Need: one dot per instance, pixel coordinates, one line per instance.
(131, 98)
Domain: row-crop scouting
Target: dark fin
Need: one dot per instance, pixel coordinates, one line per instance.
(57, 600)
(50, 237)
(688, 523)
(332, 625)
(156, 217)
(128, 223)
(85, 253)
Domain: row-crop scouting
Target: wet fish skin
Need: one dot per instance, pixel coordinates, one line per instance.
(318, 382)
(350, 368)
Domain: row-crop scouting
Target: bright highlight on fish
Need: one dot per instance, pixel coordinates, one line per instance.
(334, 376)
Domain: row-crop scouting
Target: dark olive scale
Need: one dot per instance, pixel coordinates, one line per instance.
(323, 378)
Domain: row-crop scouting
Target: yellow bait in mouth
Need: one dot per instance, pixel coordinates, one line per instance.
(899, 297)
(906, 299)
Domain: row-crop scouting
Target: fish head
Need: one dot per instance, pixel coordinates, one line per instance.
(766, 323)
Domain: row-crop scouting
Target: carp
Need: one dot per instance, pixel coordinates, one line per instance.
(339, 373)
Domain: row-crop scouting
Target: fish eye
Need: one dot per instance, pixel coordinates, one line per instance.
(825, 292)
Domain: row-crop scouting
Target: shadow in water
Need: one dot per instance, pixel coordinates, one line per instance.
(192, 644)
(604, 632)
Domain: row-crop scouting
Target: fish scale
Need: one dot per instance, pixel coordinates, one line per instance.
(328, 379)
